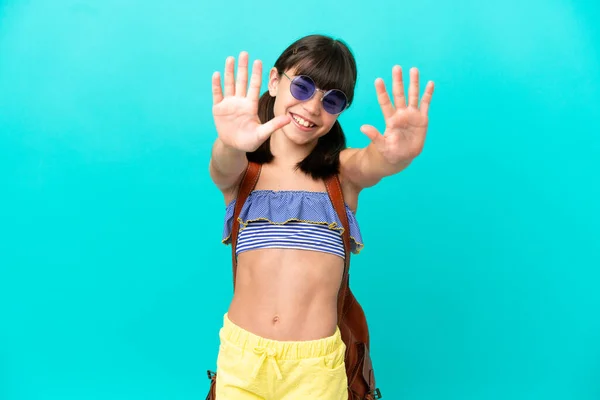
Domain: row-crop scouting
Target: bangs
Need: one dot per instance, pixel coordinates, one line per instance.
(330, 66)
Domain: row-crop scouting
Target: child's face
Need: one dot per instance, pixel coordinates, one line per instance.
(309, 120)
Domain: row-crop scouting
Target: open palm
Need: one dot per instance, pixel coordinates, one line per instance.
(235, 111)
(405, 125)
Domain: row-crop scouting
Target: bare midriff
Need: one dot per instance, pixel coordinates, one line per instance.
(287, 294)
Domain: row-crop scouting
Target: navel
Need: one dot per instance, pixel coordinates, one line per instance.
(275, 319)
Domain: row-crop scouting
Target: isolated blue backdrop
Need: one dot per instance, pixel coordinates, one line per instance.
(480, 276)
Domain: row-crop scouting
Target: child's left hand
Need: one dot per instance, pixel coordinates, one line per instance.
(405, 126)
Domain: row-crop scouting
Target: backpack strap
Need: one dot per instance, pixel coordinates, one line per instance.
(334, 189)
(246, 187)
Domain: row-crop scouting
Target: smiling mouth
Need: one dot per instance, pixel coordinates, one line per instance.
(303, 122)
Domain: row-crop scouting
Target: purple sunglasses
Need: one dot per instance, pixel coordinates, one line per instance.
(304, 88)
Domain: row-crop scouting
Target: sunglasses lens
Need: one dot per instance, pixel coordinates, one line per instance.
(335, 102)
(302, 88)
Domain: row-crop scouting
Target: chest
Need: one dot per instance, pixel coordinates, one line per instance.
(276, 179)
(280, 180)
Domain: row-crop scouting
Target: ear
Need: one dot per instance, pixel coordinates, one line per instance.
(273, 81)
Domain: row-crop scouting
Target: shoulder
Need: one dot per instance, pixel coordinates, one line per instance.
(347, 168)
(231, 192)
(349, 188)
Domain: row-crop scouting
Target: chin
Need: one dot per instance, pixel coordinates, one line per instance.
(298, 137)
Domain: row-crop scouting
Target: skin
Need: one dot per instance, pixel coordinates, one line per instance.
(287, 294)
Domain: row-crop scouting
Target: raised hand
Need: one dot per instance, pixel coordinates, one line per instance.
(236, 112)
(405, 125)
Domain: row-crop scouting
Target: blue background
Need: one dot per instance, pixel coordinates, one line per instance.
(480, 276)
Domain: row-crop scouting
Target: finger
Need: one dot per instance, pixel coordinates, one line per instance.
(242, 75)
(371, 132)
(216, 88)
(413, 90)
(255, 81)
(229, 87)
(387, 108)
(265, 130)
(426, 99)
(398, 87)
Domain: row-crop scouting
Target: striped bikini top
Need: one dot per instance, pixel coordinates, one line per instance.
(291, 220)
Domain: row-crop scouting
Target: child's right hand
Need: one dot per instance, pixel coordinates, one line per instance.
(236, 113)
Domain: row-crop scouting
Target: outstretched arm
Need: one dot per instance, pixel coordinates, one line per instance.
(404, 136)
(235, 114)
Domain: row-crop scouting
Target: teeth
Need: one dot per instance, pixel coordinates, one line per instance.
(303, 122)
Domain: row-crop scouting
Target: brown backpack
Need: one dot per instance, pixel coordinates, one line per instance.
(351, 317)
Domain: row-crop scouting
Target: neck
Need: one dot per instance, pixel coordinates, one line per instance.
(286, 152)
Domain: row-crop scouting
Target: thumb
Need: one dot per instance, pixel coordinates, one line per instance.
(371, 132)
(265, 130)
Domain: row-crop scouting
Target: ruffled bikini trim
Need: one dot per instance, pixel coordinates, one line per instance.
(285, 202)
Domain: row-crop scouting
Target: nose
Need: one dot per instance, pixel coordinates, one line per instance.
(313, 105)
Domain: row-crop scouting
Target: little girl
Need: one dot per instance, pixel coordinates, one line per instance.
(280, 338)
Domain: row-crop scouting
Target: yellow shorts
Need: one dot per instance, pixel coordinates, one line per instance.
(251, 367)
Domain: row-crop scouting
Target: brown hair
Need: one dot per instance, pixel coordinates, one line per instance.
(330, 63)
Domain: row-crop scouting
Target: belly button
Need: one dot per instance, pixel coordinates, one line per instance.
(275, 319)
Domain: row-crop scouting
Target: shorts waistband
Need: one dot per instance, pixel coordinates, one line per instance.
(283, 350)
